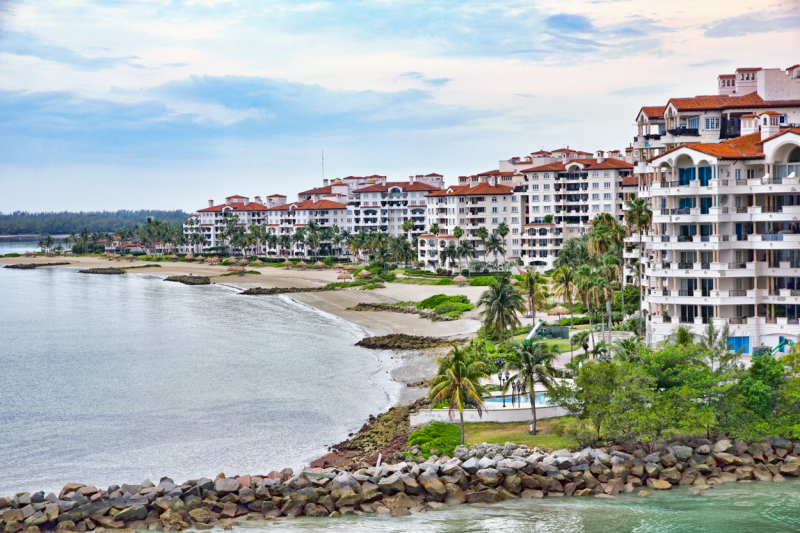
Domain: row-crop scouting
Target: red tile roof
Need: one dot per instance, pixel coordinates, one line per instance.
(630, 181)
(434, 174)
(318, 190)
(309, 205)
(710, 103)
(540, 152)
(276, 196)
(237, 206)
(753, 68)
(480, 189)
(782, 132)
(588, 164)
(405, 185)
(744, 147)
(653, 111)
(727, 76)
(235, 196)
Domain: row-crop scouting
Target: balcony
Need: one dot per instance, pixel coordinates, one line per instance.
(737, 292)
(685, 266)
(678, 132)
(736, 266)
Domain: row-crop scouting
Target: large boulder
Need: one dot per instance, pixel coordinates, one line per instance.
(658, 484)
(471, 465)
(791, 469)
(784, 444)
(226, 486)
(391, 485)
(723, 446)
(455, 495)
(682, 452)
(489, 477)
(435, 488)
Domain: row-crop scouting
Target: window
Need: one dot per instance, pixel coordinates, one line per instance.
(607, 185)
(546, 197)
(739, 343)
(607, 196)
(606, 173)
(494, 221)
(751, 173)
(536, 176)
(514, 241)
(595, 174)
(595, 185)
(737, 173)
(547, 186)
(595, 196)
(535, 209)
(712, 123)
(547, 208)
(535, 198)
(607, 207)
(494, 210)
(783, 119)
(515, 220)
(494, 198)
(595, 207)
(546, 176)
(514, 209)
(693, 123)
(513, 198)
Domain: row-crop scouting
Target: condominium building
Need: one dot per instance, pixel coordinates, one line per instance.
(482, 202)
(212, 221)
(720, 173)
(376, 204)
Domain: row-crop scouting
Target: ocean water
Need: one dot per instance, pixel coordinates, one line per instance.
(20, 247)
(112, 379)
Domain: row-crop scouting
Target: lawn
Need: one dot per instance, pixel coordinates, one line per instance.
(517, 432)
(562, 344)
(416, 281)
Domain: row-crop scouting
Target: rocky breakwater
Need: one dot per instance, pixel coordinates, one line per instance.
(190, 280)
(405, 309)
(262, 291)
(31, 266)
(109, 270)
(401, 341)
(478, 475)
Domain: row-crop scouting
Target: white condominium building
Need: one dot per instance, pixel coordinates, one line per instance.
(376, 204)
(725, 246)
(562, 198)
(482, 202)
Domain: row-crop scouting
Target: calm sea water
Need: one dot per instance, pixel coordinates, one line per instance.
(111, 379)
(117, 379)
(20, 247)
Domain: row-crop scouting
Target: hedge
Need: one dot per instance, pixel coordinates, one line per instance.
(436, 300)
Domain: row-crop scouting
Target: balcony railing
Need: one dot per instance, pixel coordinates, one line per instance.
(738, 320)
(685, 266)
(685, 238)
(771, 181)
(686, 292)
(677, 132)
(737, 292)
(773, 237)
(665, 238)
(734, 266)
(705, 266)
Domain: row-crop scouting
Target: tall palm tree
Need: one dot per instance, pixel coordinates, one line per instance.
(682, 336)
(483, 234)
(466, 250)
(609, 269)
(502, 230)
(564, 287)
(602, 294)
(404, 252)
(501, 302)
(627, 349)
(533, 285)
(494, 245)
(584, 282)
(608, 236)
(532, 362)
(715, 345)
(408, 227)
(434, 229)
(459, 383)
(639, 217)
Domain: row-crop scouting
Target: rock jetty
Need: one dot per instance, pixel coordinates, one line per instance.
(405, 309)
(190, 280)
(482, 474)
(401, 341)
(109, 270)
(261, 291)
(31, 266)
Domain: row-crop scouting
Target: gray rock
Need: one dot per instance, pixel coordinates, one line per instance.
(682, 452)
(489, 477)
(226, 486)
(429, 466)
(705, 449)
(471, 466)
(652, 458)
(392, 485)
(146, 484)
(784, 444)
(723, 446)
(486, 463)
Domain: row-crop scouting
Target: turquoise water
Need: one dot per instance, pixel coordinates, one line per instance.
(732, 508)
(112, 379)
(541, 399)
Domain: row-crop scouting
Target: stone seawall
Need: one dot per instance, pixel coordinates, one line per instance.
(481, 474)
(404, 309)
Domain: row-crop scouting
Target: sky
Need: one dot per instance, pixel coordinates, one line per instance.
(158, 104)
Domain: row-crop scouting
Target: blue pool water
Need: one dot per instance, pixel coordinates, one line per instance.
(541, 399)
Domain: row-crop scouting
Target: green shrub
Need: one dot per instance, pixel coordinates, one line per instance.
(439, 436)
(371, 286)
(578, 321)
(13, 254)
(481, 281)
(388, 277)
(438, 299)
(443, 281)
(453, 309)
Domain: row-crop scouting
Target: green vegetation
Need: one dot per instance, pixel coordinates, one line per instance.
(481, 281)
(366, 284)
(14, 254)
(371, 286)
(415, 281)
(442, 304)
(443, 281)
(25, 223)
(686, 386)
(439, 436)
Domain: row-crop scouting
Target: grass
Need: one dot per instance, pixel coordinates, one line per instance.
(517, 432)
(240, 273)
(441, 436)
(415, 281)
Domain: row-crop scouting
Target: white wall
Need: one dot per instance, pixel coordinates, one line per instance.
(495, 415)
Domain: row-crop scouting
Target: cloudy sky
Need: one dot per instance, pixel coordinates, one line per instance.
(112, 104)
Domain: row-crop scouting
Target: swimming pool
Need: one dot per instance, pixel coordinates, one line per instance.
(541, 399)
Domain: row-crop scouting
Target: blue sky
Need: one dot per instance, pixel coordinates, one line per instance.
(165, 104)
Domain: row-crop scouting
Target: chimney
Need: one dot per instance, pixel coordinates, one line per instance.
(770, 124)
(211, 203)
(258, 200)
(411, 179)
(600, 156)
(749, 124)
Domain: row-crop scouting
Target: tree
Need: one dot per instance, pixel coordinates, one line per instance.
(584, 282)
(715, 344)
(627, 349)
(494, 245)
(466, 250)
(502, 230)
(682, 336)
(639, 217)
(458, 383)
(564, 287)
(581, 338)
(434, 229)
(533, 286)
(449, 253)
(532, 362)
(501, 302)
(408, 227)
(483, 234)
(458, 233)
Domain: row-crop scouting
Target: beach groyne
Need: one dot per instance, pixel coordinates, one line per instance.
(190, 280)
(109, 270)
(404, 309)
(401, 341)
(481, 474)
(31, 266)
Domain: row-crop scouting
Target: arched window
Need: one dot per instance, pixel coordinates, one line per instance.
(794, 155)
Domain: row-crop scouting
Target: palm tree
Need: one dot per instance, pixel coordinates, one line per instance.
(404, 252)
(458, 383)
(434, 229)
(466, 250)
(602, 293)
(502, 230)
(682, 336)
(627, 349)
(408, 227)
(533, 362)
(639, 217)
(564, 286)
(501, 302)
(609, 269)
(494, 245)
(483, 234)
(449, 253)
(607, 236)
(574, 252)
(533, 285)
(581, 338)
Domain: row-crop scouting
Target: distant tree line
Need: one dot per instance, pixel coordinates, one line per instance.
(23, 222)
